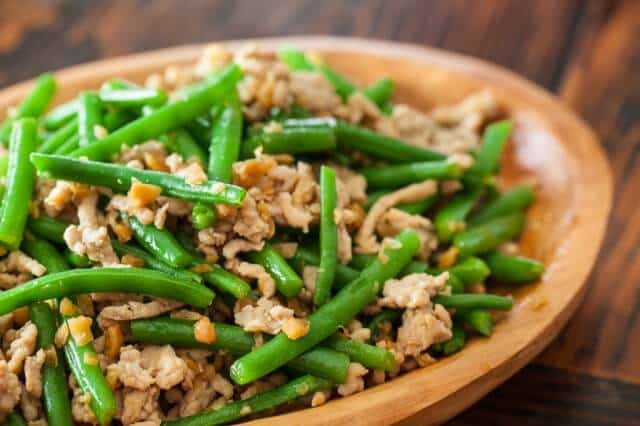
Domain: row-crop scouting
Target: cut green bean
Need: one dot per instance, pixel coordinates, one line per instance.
(203, 216)
(133, 97)
(405, 174)
(34, 104)
(227, 282)
(480, 320)
(513, 269)
(77, 260)
(322, 361)
(231, 412)
(60, 115)
(89, 116)
(368, 355)
(451, 218)
(325, 321)
(328, 236)
(494, 140)
(53, 142)
(14, 208)
(295, 59)
(101, 280)
(226, 136)
(294, 140)
(474, 301)
(45, 253)
(182, 142)
(487, 236)
(68, 146)
(114, 119)
(287, 280)
(152, 262)
(380, 92)
(14, 419)
(161, 243)
(48, 228)
(89, 376)
(471, 270)
(511, 201)
(54, 379)
(381, 146)
(119, 178)
(304, 256)
(166, 118)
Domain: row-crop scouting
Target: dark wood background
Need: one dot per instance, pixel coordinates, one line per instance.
(587, 52)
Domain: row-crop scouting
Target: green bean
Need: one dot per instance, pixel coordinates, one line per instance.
(133, 97)
(295, 59)
(470, 270)
(474, 301)
(200, 128)
(294, 140)
(115, 119)
(4, 164)
(89, 116)
(60, 115)
(48, 228)
(14, 208)
(68, 146)
(287, 280)
(450, 219)
(32, 105)
(305, 256)
(405, 174)
(161, 243)
(380, 92)
(310, 122)
(368, 355)
(294, 111)
(54, 378)
(101, 280)
(513, 269)
(384, 315)
(227, 282)
(60, 136)
(152, 262)
(77, 260)
(511, 201)
(166, 118)
(45, 253)
(14, 419)
(328, 236)
(89, 376)
(182, 142)
(203, 215)
(325, 321)
(480, 320)
(305, 385)
(226, 136)
(343, 87)
(457, 341)
(418, 207)
(119, 178)
(487, 236)
(381, 146)
(322, 361)
(494, 140)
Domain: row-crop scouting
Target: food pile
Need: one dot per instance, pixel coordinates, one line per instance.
(248, 233)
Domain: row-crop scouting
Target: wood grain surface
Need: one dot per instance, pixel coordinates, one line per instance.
(586, 51)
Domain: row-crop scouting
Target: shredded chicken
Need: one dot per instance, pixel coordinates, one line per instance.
(135, 310)
(423, 327)
(247, 270)
(33, 373)
(154, 365)
(412, 291)
(140, 405)
(365, 239)
(355, 382)
(267, 316)
(21, 347)
(17, 268)
(10, 390)
(314, 92)
(394, 221)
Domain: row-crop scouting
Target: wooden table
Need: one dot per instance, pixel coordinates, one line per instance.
(588, 52)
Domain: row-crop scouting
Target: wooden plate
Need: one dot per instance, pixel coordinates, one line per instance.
(565, 226)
